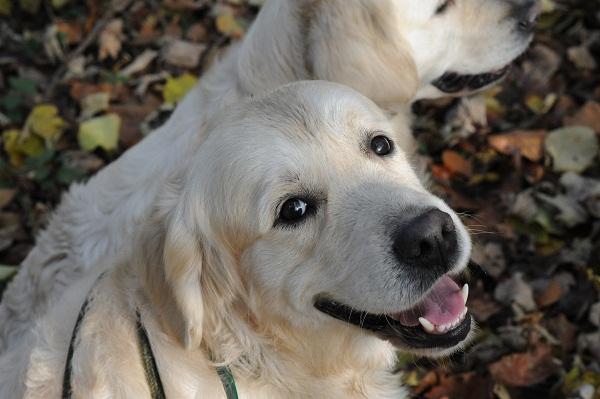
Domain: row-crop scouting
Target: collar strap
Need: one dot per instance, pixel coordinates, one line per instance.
(149, 362)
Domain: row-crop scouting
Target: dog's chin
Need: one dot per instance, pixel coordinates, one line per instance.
(454, 83)
(436, 325)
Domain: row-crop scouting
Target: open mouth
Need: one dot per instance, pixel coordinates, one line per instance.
(452, 82)
(440, 320)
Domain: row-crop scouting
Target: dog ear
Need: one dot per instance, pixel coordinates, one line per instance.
(170, 261)
(183, 263)
(358, 45)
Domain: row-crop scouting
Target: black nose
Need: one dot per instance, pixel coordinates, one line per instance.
(526, 13)
(429, 241)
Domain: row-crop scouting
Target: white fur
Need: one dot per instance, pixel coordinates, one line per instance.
(387, 49)
(212, 272)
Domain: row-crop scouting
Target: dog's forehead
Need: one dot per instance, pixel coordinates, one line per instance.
(309, 111)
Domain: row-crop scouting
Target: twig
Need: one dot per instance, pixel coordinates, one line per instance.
(115, 7)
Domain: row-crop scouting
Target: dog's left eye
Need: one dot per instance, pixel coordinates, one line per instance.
(294, 210)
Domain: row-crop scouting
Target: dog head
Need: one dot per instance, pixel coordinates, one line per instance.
(392, 51)
(299, 209)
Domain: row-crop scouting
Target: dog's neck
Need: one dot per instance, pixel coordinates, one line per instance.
(290, 361)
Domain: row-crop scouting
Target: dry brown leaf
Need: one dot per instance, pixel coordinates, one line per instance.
(456, 163)
(6, 196)
(110, 39)
(524, 369)
(549, 295)
(528, 143)
(132, 116)
(588, 115)
(73, 31)
(183, 54)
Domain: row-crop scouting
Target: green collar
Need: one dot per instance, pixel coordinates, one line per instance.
(148, 360)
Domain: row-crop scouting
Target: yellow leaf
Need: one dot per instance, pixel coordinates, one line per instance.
(229, 26)
(31, 6)
(176, 88)
(18, 145)
(45, 122)
(59, 3)
(102, 131)
(5, 7)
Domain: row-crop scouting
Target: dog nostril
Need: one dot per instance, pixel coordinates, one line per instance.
(429, 240)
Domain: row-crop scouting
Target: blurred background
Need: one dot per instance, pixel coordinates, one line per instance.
(82, 81)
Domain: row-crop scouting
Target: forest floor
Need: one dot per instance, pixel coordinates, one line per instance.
(82, 81)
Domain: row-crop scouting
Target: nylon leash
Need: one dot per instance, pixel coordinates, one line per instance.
(147, 358)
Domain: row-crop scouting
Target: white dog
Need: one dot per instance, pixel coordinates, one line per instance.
(393, 51)
(297, 247)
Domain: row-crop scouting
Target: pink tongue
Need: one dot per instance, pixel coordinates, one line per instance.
(443, 304)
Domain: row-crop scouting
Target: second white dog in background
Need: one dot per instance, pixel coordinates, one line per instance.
(392, 51)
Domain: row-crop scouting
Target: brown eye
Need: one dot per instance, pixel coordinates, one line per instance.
(381, 145)
(442, 7)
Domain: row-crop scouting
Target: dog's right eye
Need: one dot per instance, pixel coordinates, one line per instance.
(294, 210)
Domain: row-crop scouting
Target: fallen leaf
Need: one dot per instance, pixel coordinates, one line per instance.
(31, 6)
(176, 88)
(132, 116)
(140, 63)
(6, 196)
(573, 149)
(528, 143)
(525, 369)
(183, 54)
(45, 122)
(540, 105)
(516, 290)
(5, 7)
(581, 57)
(594, 316)
(228, 25)
(588, 115)
(456, 163)
(6, 272)
(72, 31)
(100, 132)
(93, 104)
(550, 295)
(19, 145)
(197, 33)
(110, 39)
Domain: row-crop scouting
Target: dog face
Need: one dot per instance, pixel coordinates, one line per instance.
(395, 51)
(303, 201)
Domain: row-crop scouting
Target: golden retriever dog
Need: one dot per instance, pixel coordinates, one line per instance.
(297, 247)
(392, 51)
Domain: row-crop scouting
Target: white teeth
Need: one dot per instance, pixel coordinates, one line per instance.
(427, 325)
(444, 328)
(465, 293)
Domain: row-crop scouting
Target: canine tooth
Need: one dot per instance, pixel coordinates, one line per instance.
(427, 325)
(465, 292)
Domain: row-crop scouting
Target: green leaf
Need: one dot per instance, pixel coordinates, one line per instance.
(176, 88)
(31, 6)
(24, 86)
(6, 272)
(100, 132)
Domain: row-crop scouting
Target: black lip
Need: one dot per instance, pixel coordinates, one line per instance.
(391, 330)
(452, 82)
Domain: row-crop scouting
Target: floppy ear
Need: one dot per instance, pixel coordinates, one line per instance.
(170, 260)
(359, 45)
(183, 263)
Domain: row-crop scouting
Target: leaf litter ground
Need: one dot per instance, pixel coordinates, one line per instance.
(82, 81)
